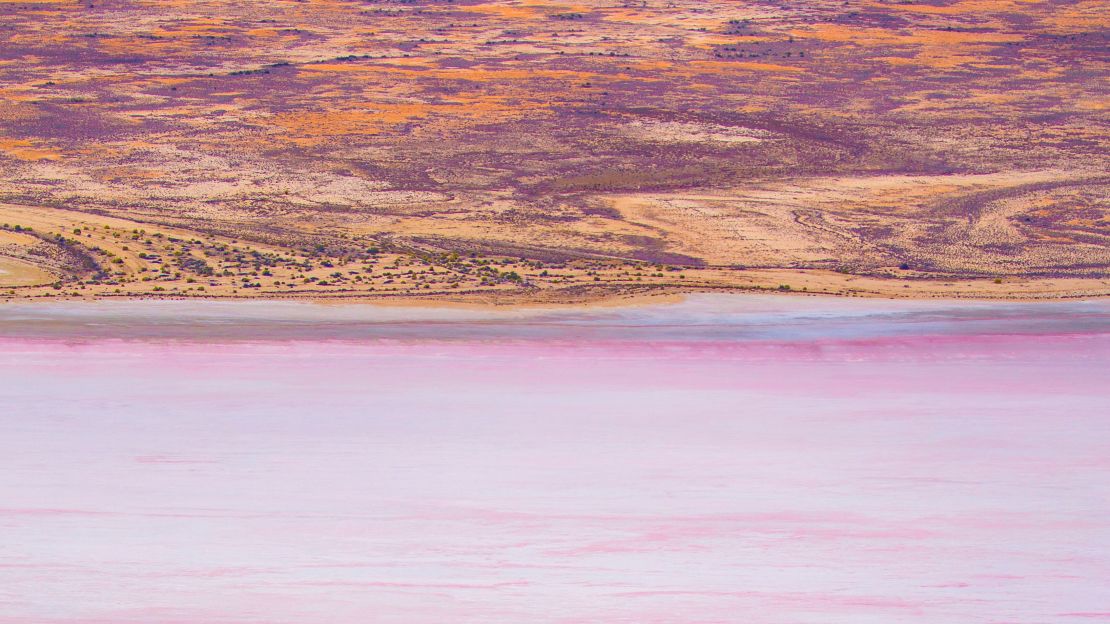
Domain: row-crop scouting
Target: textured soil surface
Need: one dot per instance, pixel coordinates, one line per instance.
(534, 151)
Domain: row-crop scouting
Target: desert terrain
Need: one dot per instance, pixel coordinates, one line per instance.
(539, 151)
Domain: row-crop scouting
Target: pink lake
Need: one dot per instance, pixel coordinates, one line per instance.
(727, 459)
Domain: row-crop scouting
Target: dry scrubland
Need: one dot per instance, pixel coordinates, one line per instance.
(541, 151)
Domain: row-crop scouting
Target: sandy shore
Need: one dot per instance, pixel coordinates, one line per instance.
(133, 266)
(603, 298)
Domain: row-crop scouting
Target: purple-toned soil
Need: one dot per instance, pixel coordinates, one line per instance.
(749, 460)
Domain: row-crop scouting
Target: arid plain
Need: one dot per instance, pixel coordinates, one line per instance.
(535, 151)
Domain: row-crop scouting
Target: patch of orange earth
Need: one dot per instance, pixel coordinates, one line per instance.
(746, 104)
(25, 149)
(23, 92)
(998, 98)
(378, 117)
(712, 40)
(39, 39)
(1093, 104)
(397, 113)
(1079, 16)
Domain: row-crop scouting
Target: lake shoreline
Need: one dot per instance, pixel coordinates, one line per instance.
(697, 317)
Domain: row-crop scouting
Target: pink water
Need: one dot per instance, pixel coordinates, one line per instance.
(855, 464)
